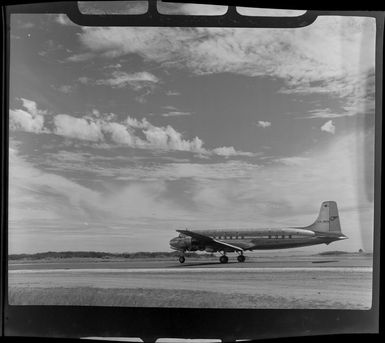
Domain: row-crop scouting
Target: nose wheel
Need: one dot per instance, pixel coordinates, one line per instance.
(181, 259)
(223, 259)
(241, 258)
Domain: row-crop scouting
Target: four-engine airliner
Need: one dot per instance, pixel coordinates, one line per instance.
(325, 229)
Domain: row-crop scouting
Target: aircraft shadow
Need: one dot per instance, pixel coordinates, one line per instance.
(330, 261)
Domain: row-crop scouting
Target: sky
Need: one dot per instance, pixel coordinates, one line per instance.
(121, 135)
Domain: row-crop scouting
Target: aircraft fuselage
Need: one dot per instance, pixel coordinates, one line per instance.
(325, 229)
(258, 239)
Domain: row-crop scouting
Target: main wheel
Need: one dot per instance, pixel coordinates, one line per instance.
(241, 258)
(181, 259)
(223, 259)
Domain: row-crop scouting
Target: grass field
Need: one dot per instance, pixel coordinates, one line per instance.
(139, 297)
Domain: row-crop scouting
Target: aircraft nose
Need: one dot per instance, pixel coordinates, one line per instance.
(173, 242)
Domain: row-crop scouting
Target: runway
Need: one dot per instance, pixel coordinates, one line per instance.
(339, 284)
(192, 270)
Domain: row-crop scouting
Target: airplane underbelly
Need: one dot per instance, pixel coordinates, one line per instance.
(284, 243)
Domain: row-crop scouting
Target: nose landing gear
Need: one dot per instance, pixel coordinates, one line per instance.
(181, 259)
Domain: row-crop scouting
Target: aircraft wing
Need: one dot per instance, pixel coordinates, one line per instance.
(208, 239)
(196, 235)
(228, 245)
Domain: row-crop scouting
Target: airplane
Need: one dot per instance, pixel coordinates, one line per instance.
(325, 230)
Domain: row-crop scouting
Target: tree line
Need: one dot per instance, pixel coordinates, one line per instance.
(98, 254)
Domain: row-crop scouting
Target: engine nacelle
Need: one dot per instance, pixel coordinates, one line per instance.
(210, 249)
(186, 243)
(191, 244)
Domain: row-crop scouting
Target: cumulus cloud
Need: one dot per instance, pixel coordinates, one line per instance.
(263, 124)
(30, 120)
(329, 127)
(79, 128)
(98, 127)
(168, 138)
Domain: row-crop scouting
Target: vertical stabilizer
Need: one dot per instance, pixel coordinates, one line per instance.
(328, 219)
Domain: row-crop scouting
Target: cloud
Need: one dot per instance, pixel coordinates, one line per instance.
(292, 161)
(172, 93)
(230, 151)
(29, 120)
(80, 57)
(169, 139)
(175, 114)
(97, 127)
(127, 133)
(27, 25)
(263, 124)
(31, 107)
(84, 80)
(79, 128)
(24, 121)
(157, 197)
(333, 56)
(120, 134)
(66, 89)
(285, 53)
(121, 79)
(327, 113)
(329, 127)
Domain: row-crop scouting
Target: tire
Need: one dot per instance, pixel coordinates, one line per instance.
(223, 259)
(181, 259)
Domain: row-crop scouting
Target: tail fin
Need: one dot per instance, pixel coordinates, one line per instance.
(328, 219)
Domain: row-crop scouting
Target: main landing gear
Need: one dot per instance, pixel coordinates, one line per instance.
(241, 258)
(223, 259)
